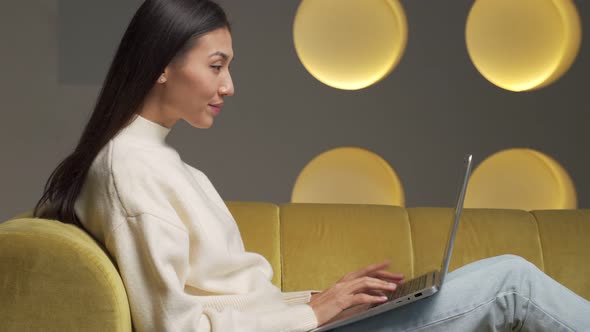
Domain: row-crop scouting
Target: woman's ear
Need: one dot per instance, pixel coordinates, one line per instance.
(164, 76)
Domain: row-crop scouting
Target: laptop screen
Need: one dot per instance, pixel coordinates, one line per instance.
(457, 215)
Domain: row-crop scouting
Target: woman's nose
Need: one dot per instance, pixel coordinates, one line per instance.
(227, 88)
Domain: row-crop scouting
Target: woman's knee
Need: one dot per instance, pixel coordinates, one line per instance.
(515, 265)
(504, 260)
(511, 258)
(511, 266)
(500, 266)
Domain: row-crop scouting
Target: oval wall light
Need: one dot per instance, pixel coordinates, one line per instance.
(523, 179)
(349, 44)
(348, 175)
(525, 44)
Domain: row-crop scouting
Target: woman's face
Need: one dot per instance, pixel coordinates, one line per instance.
(195, 86)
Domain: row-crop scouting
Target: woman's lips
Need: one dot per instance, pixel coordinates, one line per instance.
(216, 108)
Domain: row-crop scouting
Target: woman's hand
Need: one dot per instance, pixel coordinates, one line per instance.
(365, 286)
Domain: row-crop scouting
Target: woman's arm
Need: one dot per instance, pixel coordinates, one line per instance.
(300, 297)
(153, 257)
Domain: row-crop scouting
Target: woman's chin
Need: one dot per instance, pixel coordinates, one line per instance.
(201, 124)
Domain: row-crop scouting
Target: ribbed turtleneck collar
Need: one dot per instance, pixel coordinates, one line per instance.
(145, 129)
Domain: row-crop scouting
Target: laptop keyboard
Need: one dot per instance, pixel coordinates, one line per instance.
(410, 286)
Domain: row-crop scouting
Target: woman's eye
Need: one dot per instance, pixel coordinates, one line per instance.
(216, 67)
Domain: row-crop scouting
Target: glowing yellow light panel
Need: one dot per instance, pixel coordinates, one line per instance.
(525, 44)
(521, 179)
(348, 175)
(350, 44)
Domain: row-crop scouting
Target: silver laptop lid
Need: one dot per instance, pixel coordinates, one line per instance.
(453, 232)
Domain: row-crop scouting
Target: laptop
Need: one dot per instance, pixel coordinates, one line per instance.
(412, 290)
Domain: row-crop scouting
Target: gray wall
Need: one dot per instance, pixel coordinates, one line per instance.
(422, 118)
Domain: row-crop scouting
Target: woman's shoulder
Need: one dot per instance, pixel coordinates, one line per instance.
(144, 178)
(130, 157)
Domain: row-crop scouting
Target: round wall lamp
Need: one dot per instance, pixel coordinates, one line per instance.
(525, 44)
(348, 175)
(350, 44)
(523, 179)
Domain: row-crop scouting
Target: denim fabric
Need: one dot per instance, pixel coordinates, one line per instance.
(504, 293)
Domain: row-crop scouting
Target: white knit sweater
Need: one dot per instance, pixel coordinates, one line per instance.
(176, 245)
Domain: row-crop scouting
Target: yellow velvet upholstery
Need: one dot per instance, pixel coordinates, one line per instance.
(54, 277)
(322, 242)
(481, 234)
(259, 227)
(566, 247)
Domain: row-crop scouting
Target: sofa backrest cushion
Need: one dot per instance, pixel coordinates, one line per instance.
(565, 238)
(259, 226)
(482, 233)
(322, 242)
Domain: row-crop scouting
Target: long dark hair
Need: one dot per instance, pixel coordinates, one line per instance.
(161, 31)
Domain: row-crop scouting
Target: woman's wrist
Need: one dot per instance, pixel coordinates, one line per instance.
(312, 295)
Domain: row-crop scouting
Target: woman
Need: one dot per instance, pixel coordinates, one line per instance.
(176, 245)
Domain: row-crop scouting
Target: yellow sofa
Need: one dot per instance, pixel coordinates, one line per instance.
(54, 277)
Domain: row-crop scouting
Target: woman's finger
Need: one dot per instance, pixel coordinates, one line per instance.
(366, 284)
(362, 298)
(367, 270)
(377, 292)
(382, 274)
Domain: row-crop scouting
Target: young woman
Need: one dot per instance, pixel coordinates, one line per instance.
(176, 245)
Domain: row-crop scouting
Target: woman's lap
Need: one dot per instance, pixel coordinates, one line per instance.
(498, 293)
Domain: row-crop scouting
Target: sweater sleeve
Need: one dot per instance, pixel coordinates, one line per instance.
(153, 257)
(301, 297)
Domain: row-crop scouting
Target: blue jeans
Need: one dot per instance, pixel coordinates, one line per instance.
(503, 293)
